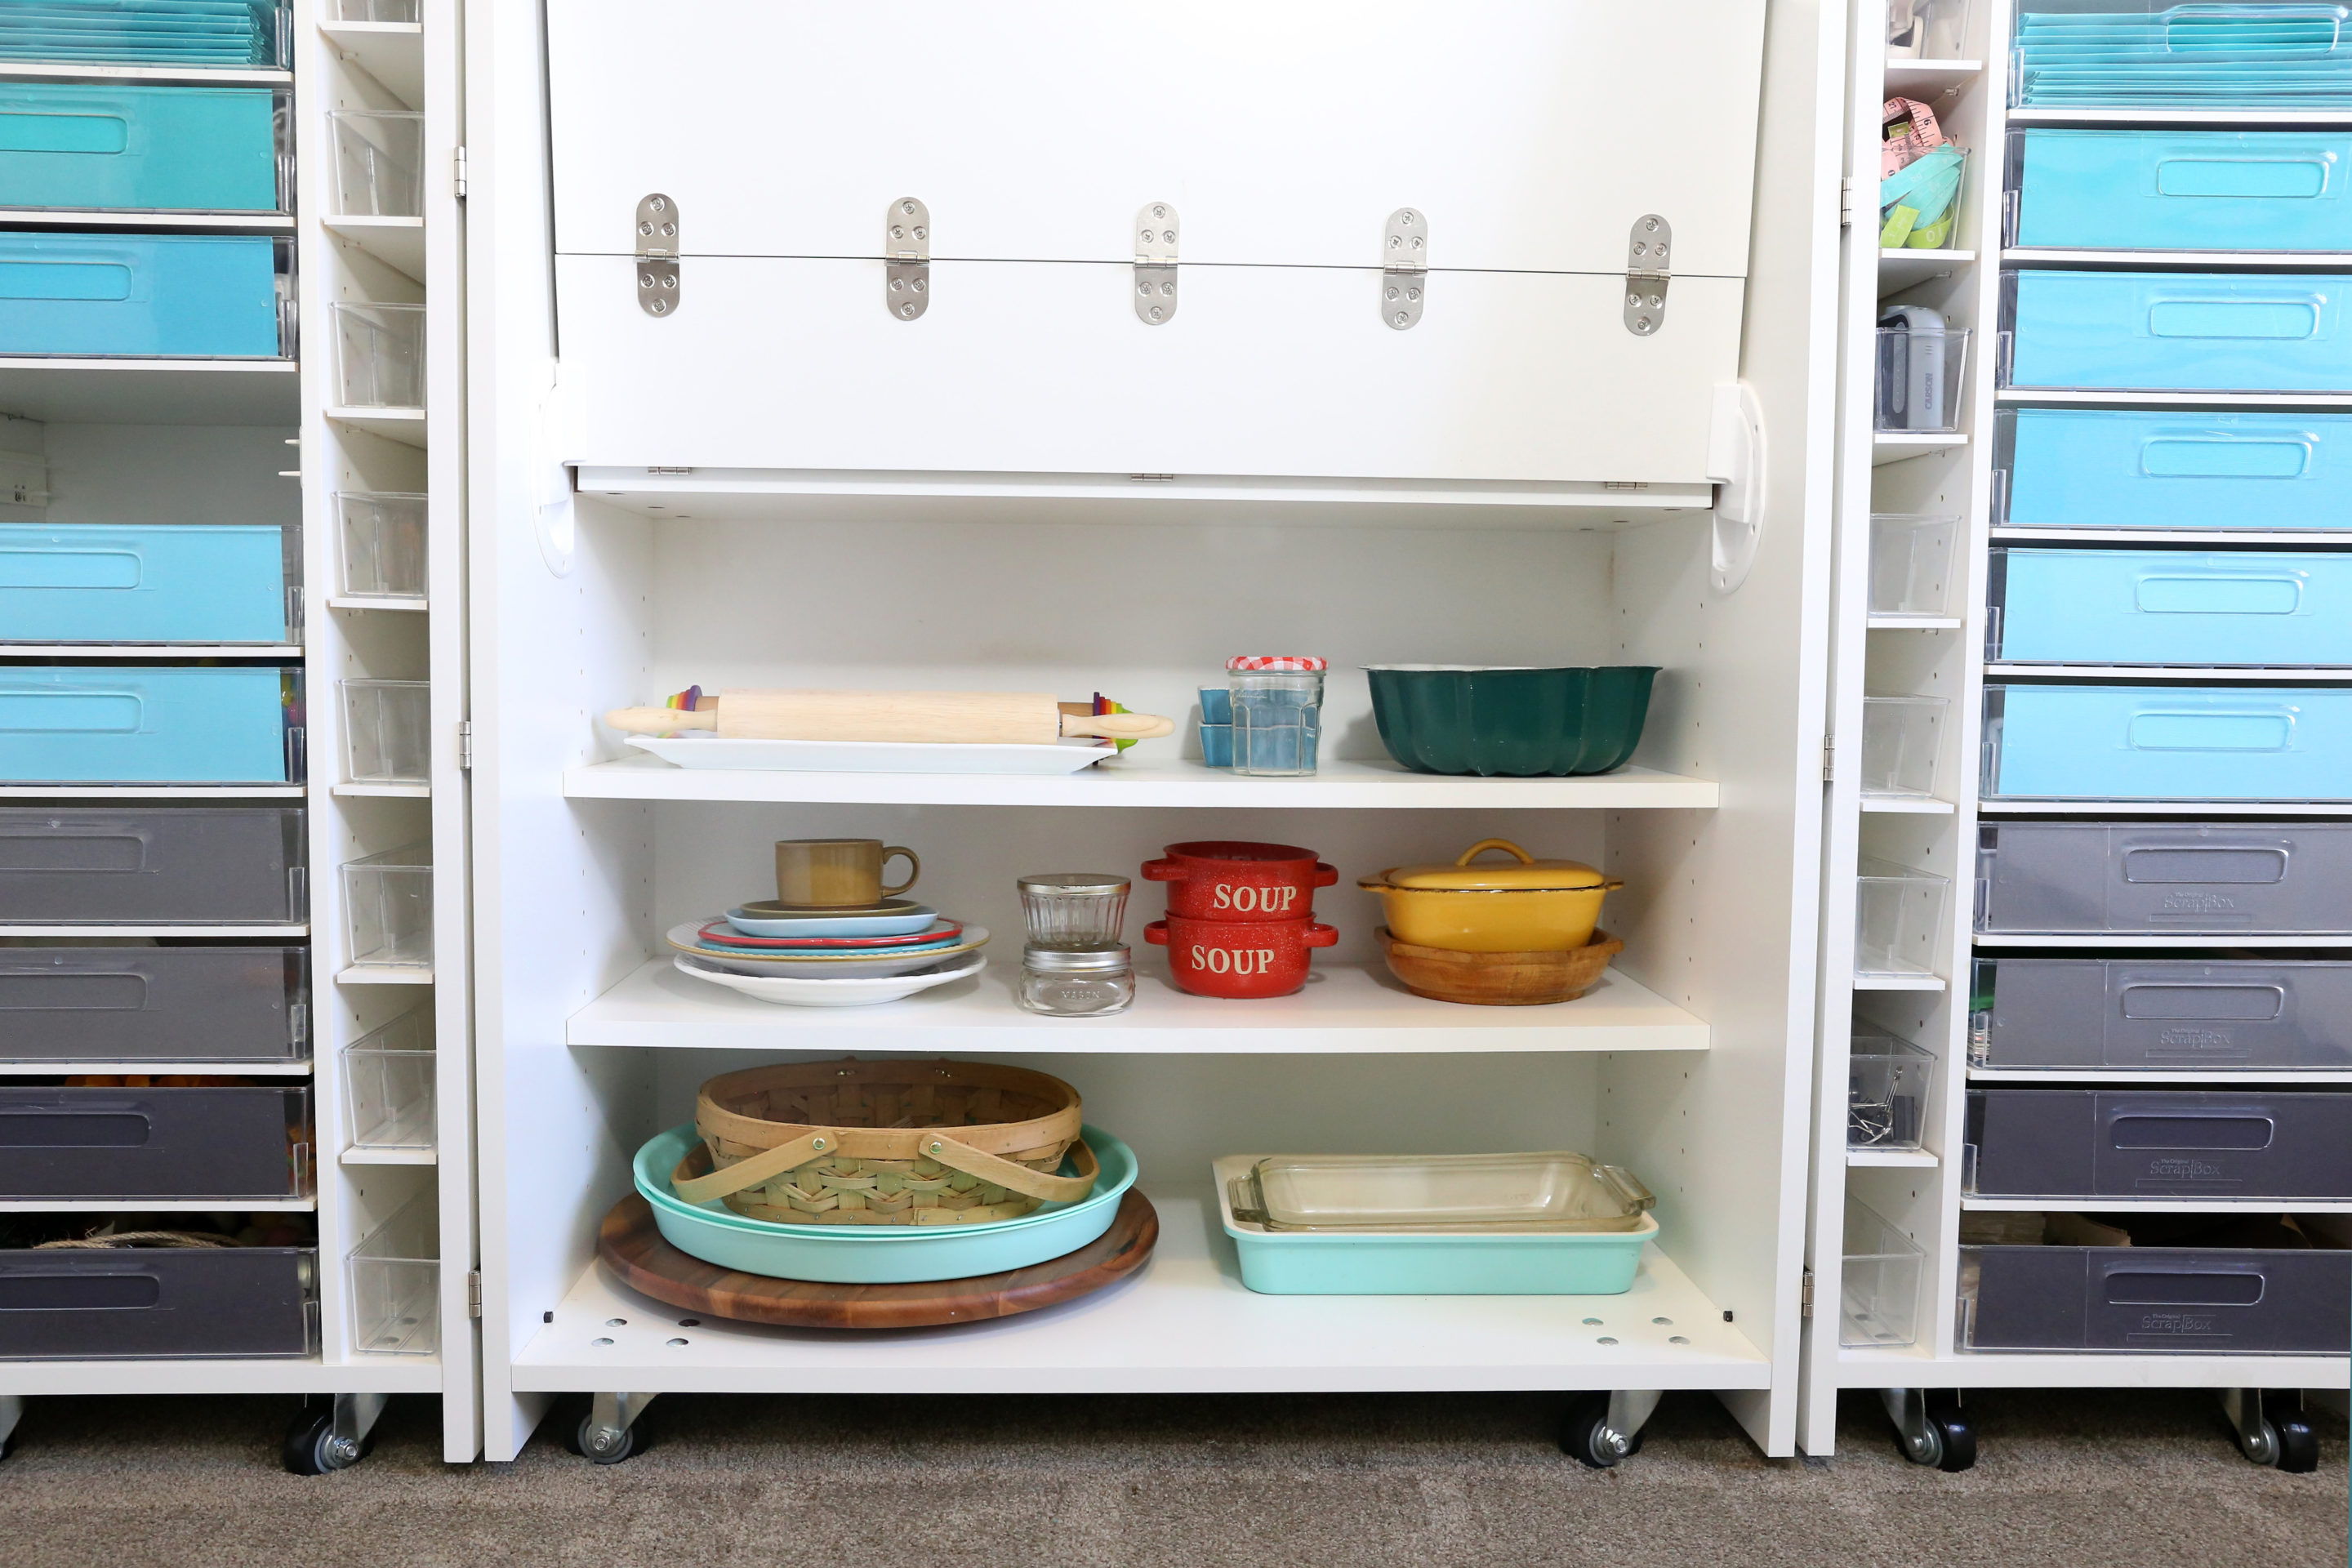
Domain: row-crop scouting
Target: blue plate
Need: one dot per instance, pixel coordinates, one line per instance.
(913, 918)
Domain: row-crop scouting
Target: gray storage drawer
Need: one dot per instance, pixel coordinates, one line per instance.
(153, 1003)
(152, 1143)
(92, 1303)
(2159, 1144)
(155, 865)
(2190, 1015)
(2192, 878)
(2216, 1300)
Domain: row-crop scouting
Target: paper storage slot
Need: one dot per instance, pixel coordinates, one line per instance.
(379, 163)
(2187, 1301)
(136, 148)
(2141, 54)
(2152, 467)
(2165, 1014)
(1888, 1083)
(1903, 744)
(159, 866)
(1914, 566)
(143, 296)
(2170, 607)
(383, 543)
(2166, 743)
(1878, 1285)
(1922, 378)
(2084, 1144)
(388, 1084)
(2181, 189)
(397, 11)
(2062, 879)
(1030, 276)
(395, 1282)
(177, 38)
(388, 908)
(379, 355)
(1930, 29)
(126, 1003)
(2191, 331)
(163, 1143)
(101, 1303)
(150, 724)
(1898, 920)
(387, 731)
(168, 582)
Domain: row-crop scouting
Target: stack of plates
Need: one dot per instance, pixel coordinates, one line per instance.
(878, 1254)
(830, 958)
(172, 33)
(2195, 56)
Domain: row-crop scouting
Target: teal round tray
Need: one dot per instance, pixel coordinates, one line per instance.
(876, 1254)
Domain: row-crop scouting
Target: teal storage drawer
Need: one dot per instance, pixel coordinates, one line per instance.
(2250, 608)
(167, 295)
(2168, 742)
(159, 583)
(2152, 468)
(143, 724)
(193, 149)
(2181, 190)
(2193, 331)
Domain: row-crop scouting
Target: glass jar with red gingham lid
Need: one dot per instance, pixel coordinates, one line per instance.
(1277, 712)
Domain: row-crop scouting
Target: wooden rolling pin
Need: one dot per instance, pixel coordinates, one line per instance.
(954, 717)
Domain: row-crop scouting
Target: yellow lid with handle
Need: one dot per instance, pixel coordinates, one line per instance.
(1523, 873)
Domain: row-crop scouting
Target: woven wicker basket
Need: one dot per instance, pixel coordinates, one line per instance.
(888, 1142)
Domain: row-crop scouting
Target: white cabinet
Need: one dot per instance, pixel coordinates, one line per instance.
(1530, 141)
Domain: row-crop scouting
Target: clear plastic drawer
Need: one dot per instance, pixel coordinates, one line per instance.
(1878, 1294)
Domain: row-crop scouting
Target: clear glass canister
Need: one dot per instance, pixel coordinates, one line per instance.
(1081, 909)
(1076, 982)
(1278, 713)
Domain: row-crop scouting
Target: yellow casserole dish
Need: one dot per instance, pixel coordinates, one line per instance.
(1525, 906)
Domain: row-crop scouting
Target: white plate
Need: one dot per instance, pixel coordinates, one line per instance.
(802, 992)
(871, 756)
(686, 939)
(918, 917)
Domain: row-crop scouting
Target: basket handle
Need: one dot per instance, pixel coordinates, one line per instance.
(768, 1163)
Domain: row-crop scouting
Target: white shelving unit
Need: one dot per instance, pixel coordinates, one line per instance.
(1921, 1193)
(645, 545)
(196, 442)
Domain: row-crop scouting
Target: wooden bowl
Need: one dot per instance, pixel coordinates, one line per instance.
(1499, 979)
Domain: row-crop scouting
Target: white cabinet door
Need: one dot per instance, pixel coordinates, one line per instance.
(1530, 134)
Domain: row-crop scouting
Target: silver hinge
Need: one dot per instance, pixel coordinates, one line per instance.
(907, 257)
(1845, 204)
(1807, 1300)
(1155, 264)
(457, 172)
(1404, 267)
(1828, 758)
(1646, 274)
(466, 745)
(656, 255)
(473, 1293)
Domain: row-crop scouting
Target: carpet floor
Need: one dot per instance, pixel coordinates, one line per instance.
(2076, 1479)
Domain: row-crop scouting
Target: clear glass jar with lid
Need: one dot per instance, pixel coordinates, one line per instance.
(1076, 980)
(1074, 908)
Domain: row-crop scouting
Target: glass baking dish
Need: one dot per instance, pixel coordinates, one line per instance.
(1555, 1192)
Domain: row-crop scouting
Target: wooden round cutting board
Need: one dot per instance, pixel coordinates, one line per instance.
(633, 1248)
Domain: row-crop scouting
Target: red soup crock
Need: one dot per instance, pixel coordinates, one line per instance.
(1232, 879)
(1238, 958)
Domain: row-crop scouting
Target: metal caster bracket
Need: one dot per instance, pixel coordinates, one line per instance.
(1930, 1430)
(1629, 1410)
(1599, 1430)
(355, 1417)
(2257, 1438)
(604, 1436)
(2270, 1430)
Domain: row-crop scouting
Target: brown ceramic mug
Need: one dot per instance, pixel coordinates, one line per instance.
(838, 873)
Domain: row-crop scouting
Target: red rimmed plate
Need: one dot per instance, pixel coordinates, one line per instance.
(719, 933)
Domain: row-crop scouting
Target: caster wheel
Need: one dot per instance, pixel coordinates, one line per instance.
(313, 1449)
(2295, 1445)
(1580, 1434)
(1951, 1442)
(632, 1442)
